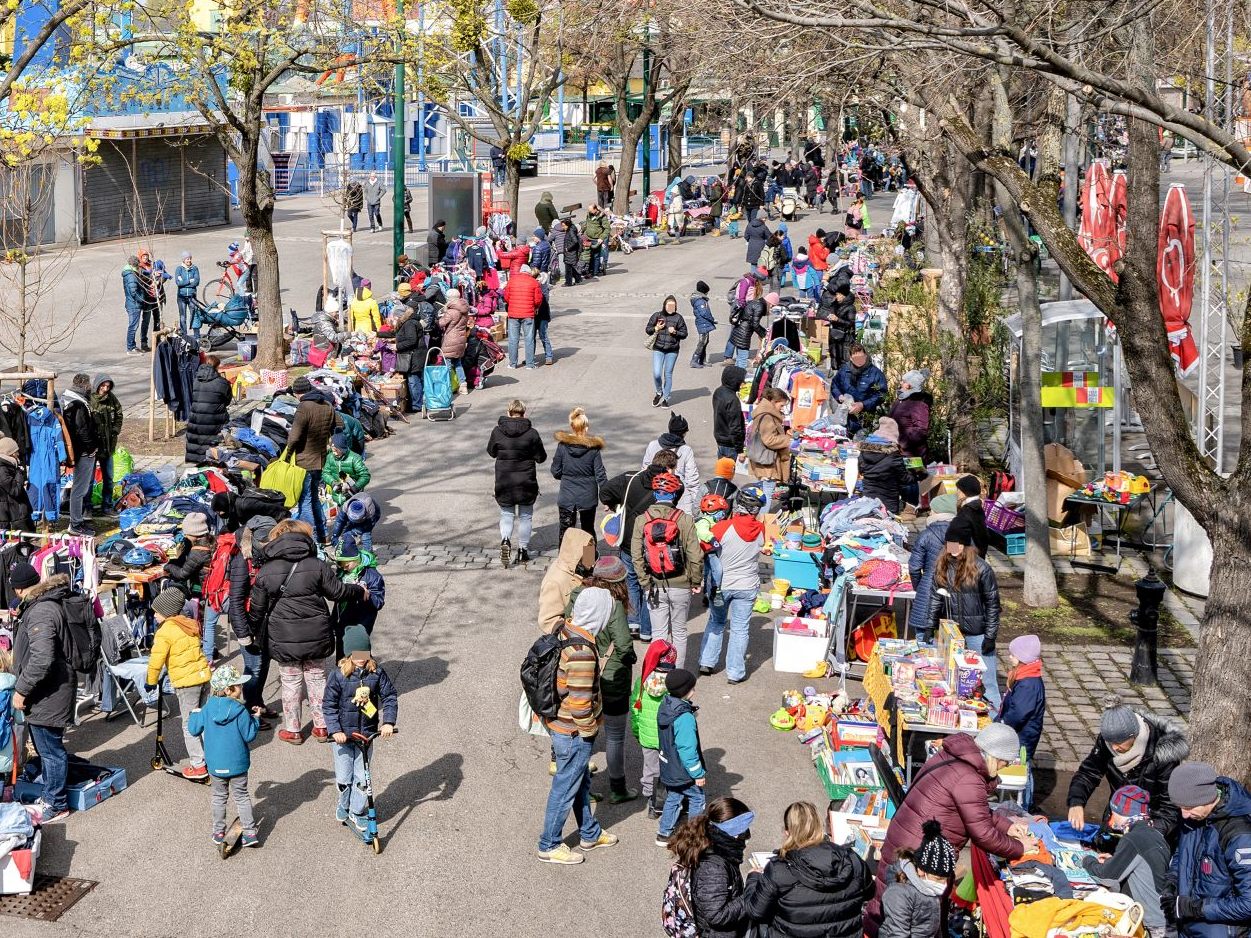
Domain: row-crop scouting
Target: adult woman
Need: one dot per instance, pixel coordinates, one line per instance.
(772, 258)
(364, 312)
(966, 590)
(746, 322)
(769, 443)
(923, 561)
(517, 450)
(289, 600)
(579, 468)
(857, 219)
(412, 343)
(616, 675)
(709, 847)
(15, 511)
(210, 397)
(668, 329)
(815, 888)
(244, 563)
(881, 465)
(912, 413)
(454, 324)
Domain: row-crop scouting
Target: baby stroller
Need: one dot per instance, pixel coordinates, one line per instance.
(436, 388)
(223, 321)
(482, 354)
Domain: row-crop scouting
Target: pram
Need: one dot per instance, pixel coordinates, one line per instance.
(436, 388)
(482, 354)
(223, 321)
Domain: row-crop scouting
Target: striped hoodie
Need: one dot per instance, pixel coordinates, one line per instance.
(577, 682)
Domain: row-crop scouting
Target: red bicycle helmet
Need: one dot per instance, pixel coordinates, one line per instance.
(666, 482)
(712, 503)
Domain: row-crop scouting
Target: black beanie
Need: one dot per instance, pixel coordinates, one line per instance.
(936, 855)
(23, 576)
(701, 287)
(960, 531)
(969, 486)
(678, 425)
(679, 682)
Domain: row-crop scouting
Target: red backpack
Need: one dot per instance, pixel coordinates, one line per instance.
(662, 546)
(216, 589)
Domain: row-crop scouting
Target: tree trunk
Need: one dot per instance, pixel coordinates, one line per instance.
(674, 156)
(270, 349)
(951, 223)
(512, 191)
(625, 169)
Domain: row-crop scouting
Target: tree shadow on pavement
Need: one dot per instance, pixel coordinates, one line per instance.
(687, 395)
(274, 800)
(437, 781)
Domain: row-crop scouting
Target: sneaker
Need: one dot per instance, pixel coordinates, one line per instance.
(249, 840)
(662, 840)
(263, 726)
(320, 734)
(358, 821)
(341, 814)
(562, 855)
(81, 530)
(295, 739)
(735, 680)
(145, 348)
(133, 351)
(549, 362)
(664, 402)
(505, 552)
(656, 400)
(703, 671)
(219, 838)
(605, 839)
(195, 772)
(54, 817)
(622, 796)
(523, 555)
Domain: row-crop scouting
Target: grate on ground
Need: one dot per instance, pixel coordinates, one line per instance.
(51, 898)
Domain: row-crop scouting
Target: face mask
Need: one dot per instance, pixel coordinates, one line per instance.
(928, 887)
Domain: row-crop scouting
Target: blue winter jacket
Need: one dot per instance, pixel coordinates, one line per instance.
(132, 289)
(922, 563)
(226, 727)
(681, 757)
(1024, 707)
(344, 716)
(1213, 863)
(540, 257)
(704, 321)
(186, 279)
(365, 611)
(869, 388)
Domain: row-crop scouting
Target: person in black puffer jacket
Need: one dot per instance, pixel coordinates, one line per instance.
(579, 467)
(838, 308)
(210, 398)
(248, 558)
(668, 327)
(412, 344)
(882, 466)
(815, 888)
(289, 600)
(517, 450)
(710, 847)
(744, 324)
(15, 513)
(729, 430)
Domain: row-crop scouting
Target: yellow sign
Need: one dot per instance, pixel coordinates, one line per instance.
(1075, 389)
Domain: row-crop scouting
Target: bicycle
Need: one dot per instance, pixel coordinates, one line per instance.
(221, 289)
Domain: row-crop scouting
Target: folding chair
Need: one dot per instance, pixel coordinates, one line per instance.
(123, 675)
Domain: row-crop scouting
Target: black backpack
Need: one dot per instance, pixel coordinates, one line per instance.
(80, 640)
(539, 672)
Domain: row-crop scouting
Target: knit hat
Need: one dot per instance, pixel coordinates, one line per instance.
(8, 446)
(772, 299)
(679, 682)
(301, 385)
(936, 855)
(1025, 648)
(1130, 801)
(969, 486)
(23, 576)
(1192, 785)
(678, 425)
(1118, 725)
(592, 609)
(724, 468)
(659, 655)
(195, 525)
(355, 639)
(186, 255)
(169, 602)
(224, 676)
(888, 429)
(349, 550)
(609, 568)
(339, 442)
(701, 287)
(943, 505)
(999, 741)
(916, 379)
(960, 531)
(260, 526)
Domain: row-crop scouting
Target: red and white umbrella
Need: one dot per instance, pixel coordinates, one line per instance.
(1119, 198)
(1097, 232)
(1175, 276)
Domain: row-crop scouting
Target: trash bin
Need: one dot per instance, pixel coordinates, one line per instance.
(592, 145)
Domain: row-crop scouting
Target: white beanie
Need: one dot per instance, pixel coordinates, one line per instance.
(592, 609)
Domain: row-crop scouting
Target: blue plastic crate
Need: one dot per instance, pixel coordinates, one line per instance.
(797, 567)
(1014, 544)
(88, 786)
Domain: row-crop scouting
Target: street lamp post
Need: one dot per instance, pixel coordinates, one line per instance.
(398, 143)
(647, 131)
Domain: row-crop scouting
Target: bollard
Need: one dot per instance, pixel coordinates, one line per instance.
(1146, 617)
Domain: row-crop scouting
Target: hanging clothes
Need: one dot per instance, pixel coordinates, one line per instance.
(13, 425)
(173, 371)
(47, 452)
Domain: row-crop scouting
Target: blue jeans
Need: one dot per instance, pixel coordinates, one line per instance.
(741, 356)
(727, 452)
(542, 333)
(737, 607)
(692, 794)
(525, 523)
(132, 325)
(349, 776)
(80, 491)
(55, 762)
(256, 667)
(571, 788)
(208, 639)
(185, 312)
(136, 669)
(712, 573)
(638, 614)
(662, 372)
(459, 368)
(309, 508)
(516, 329)
(106, 480)
(768, 485)
(415, 391)
(991, 677)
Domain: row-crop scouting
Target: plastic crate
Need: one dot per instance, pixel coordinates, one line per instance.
(838, 791)
(88, 786)
(1003, 519)
(1014, 545)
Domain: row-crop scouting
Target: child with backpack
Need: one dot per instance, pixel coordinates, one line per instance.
(176, 648)
(712, 510)
(645, 699)
(357, 690)
(682, 769)
(189, 567)
(356, 521)
(358, 566)
(912, 903)
(227, 727)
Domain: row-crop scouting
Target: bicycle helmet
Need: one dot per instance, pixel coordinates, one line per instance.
(749, 502)
(713, 503)
(232, 246)
(139, 557)
(666, 482)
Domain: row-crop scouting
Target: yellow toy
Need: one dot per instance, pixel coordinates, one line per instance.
(813, 717)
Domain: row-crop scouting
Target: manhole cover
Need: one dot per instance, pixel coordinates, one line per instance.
(49, 900)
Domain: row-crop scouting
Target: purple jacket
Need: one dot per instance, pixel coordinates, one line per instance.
(913, 416)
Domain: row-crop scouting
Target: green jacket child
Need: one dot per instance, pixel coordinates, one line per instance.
(344, 472)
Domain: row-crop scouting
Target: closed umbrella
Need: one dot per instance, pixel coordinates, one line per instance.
(1175, 276)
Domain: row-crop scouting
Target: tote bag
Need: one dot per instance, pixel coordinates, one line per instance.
(284, 476)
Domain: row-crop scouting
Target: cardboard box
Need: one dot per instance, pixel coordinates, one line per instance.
(1065, 475)
(818, 330)
(12, 881)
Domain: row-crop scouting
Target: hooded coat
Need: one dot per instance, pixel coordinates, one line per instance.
(912, 413)
(15, 510)
(579, 467)
(729, 429)
(363, 610)
(563, 576)
(226, 727)
(342, 713)
(364, 313)
(546, 212)
(292, 605)
(132, 289)
(884, 473)
(176, 647)
(455, 325)
(768, 422)
(922, 564)
(1212, 865)
(517, 450)
(44, 676)
(210, 400)
(814, 892)
(107, 412)
(705, 322)
(756, 235)
(687, 469)
(818, 253)
(717, 888)
(747, 322)
(79, 423)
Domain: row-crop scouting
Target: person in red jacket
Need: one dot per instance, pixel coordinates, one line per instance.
(514, 260)
(954, 788)
(818, 253)
(523, 296)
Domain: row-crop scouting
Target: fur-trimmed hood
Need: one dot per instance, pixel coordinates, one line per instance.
(577, 439)
(44, 587)
(1171, 744)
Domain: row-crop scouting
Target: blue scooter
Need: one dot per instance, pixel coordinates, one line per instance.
(369, 836)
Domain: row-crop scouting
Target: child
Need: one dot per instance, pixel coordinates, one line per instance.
(356, 521)
(355, 691)
(645, 700)
(8, 716)
(227, 727)
(1025, 702)
(912, 904)
(712, 509)
(344, 472)
(1139, 866)
(681, 758)
(705, 324)
(359, 566)
(176, 649)
(722, 481)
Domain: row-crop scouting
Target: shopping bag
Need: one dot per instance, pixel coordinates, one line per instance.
(284, 476)
(527, 720)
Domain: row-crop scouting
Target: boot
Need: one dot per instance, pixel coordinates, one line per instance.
(618, 793)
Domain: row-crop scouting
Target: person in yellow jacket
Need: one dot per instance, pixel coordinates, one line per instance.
(176, 649)
(364, 310)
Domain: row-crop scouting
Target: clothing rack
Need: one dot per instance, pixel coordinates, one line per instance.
(21, 377)
(91, 567)
(169, 425)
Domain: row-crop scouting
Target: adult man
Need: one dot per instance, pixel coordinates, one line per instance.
(498, 164)
(837, 308)
(574, 729)
(84, 443)
(1212, 866)
(187, 280)
(729, 430)
(523, 296)
(605, 180)
(436, 243)
(106, 410)
(133, 290)
(668, 561)
(1132, 749)
(375, 189)
(863, 382)
(742, 539)
(599, 230)
(953, 788)
(314, 422)
(354, 201)
(46, 684)
(632, 492)
(545, 211)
